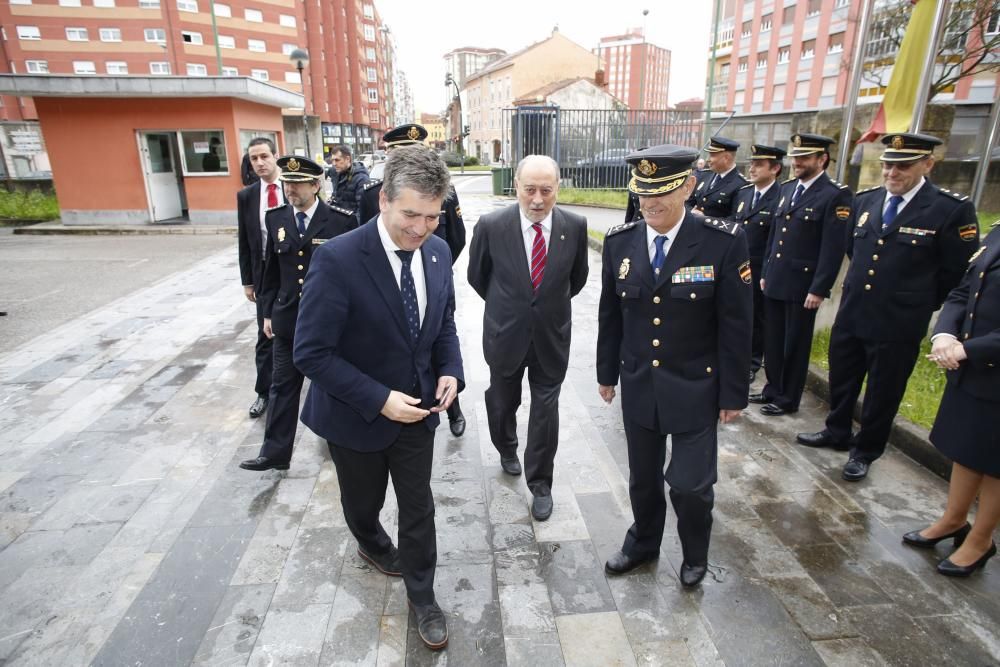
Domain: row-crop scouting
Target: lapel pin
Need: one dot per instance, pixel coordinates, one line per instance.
(434, 259)
(562, 237)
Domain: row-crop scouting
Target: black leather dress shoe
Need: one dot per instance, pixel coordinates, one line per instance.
(915, 539)
(541, 507)
(387, 563)
(753, 376)
(263, 463)
(259, 407)
(431, 625)
(949, 569)
(457, 425)
(822, 439)
(855, 470)
(691, 575)
(757, 398)
(620, 563)
(772, 410)
(511, 465)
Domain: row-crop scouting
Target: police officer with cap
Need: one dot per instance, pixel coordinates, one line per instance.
(753, 207)
(803, 255)
(450, 227)
(909, 247)
(715, 191)
(674, 327)
(295, 229)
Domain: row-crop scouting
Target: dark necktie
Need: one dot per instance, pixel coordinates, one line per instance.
(408, 290)
(891, 212)
(799, 189)
(659, 256)
(756, 198)
(537, 257)
(715, 179)
(272, 195)
(302, 223)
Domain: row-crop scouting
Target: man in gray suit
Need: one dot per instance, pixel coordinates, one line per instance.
(527, 261)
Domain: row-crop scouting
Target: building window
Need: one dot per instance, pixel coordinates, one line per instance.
(369, 11)
(293, 77)
(993, 23)
(829, 86)
(191, 37)
(808, 49)
(230, 71)
(373, 117)
(373, 95)
(286, 49)
(257, 45)
(369, 33)
(37, 66)
(155, 34)
(84, 67)
(788, 15)
(369, 52)
(784, 54)
(841, 3)
(815, 7)
(69, 3)
(187, 6)
(802, 90)
(224, 11)
(204, 152)
(111, 34)
(765, 22)
(197, 69)
(227, 42)
(778, 93)
(149, 4)
(260, 74)
(104, 3)
(20, 2)
(742, 66)
(254, 15)
(761, 60)
(116, 67)
(77, 34)
(836, 43)
(372, 74)
(28, 32)
(747, 29)
(286, 20)
(159, 68)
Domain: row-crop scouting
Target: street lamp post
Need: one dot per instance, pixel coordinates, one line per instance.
(449, 80)
(300, 58)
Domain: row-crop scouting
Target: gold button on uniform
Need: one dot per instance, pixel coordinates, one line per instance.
(656, 321)
(656, 363)
(301, 253)
(656, 343)
(300, 267)
(784, 229)
(972, 316)
(778, 255)
(914, 242)
(965, 336)
(871, 272)
(781, 243)
(881, 242)
(868, 288)
(693, 295)
(875, 258)
(623, 294)
(708, 370)
(301, 281)
(982, 273)
(656, 299)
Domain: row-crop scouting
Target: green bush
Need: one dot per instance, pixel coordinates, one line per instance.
(453, 159)
(30, 205)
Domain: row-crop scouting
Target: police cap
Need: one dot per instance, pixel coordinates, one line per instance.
(807, 144)
(411, 133)
(720, 144)
(762, 152)
(658, 170)
(904, 147)
(297, 169)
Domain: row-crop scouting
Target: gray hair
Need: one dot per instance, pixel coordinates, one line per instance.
(544, 159)
(418, 168)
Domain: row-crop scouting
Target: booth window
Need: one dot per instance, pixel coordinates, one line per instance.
(204, 152)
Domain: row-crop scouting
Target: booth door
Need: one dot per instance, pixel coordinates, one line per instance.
(161, 179)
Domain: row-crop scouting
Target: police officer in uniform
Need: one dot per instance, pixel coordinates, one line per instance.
(910, 246)
(754, 208)
(450, 227)
(674, 326)
(715, 192)
(294, 230)
(804, 252)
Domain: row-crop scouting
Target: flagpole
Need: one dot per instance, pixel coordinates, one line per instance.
(979, 184)
(851, 103)
(930, 62)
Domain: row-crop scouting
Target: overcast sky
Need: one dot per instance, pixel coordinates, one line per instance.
(425, 31)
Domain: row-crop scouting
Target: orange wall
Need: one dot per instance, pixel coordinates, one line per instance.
(94, 153)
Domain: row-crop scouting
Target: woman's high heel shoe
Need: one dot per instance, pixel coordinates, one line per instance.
(915, 539)
(949, 569)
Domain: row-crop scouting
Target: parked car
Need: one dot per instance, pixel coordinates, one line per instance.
(606, 169)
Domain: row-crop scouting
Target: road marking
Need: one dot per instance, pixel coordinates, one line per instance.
(137, 263)
(467, 179)
(39, 297)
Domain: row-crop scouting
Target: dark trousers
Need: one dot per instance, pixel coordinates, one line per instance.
(454, 410)
(757, 344)
(503, 397)
(363, 480)
(787, 347)
(690, 476)
(888, 366)
(263, 356)
(283, 408)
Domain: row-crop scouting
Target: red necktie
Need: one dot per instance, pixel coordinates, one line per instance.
(537, 257)
(272, 195)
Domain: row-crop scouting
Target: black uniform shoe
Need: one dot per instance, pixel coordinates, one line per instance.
(387, 563)
(621, 563)
(822, 439)
(263, 463)
(855, 470)
(457, 425)
(431, 625)
(772, 410)
(511, 465)
(753, 376)
(259, 407)
(949, 569)
(541, 507)
(915, 539)
(691, 575)
(757, 398)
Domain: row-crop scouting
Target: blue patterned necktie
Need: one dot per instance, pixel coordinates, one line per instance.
(891, 212)
(302, 223)
(408, 290)
(756, 198)
(799, 189)
(659, 256)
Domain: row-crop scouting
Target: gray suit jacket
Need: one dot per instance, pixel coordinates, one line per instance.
(515, 317)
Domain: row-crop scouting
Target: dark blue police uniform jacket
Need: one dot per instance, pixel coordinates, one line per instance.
(756, 220)
(353, 342)
(715, 201)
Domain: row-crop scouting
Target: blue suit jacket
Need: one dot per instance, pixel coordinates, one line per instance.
(352, 340)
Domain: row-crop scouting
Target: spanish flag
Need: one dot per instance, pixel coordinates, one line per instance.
(896, 110)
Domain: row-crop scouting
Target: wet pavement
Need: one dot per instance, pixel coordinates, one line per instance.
(128, 536)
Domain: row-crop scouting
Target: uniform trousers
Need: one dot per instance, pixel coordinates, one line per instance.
(283, 406)
(364, 477)
(503, 397)
(263, 356)
(757, 344)
(787, 347)
(690, 475)
(888, 366)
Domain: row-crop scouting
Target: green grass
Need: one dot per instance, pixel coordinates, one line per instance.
(477, 167)
(605, 198)
(596, 235)
(923, 391)
(986, 220)
(31, 205)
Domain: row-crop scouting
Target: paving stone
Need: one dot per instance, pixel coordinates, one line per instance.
(646, 615)
(49, 548)
(291, 637)
(575, 577)
(526, 610)
(534, 651)
(594, 639)
(392, 641)
(352, 634)
(669, 653)
(810, 608)
(312, 569)
(848, 653)
(910, 645)
(843, 580)
(235, 627)
(792, 524)
(28, 602)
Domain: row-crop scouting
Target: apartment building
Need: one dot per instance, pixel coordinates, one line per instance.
(466, 61)
(638, 72)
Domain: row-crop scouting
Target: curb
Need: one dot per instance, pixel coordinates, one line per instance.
(48, 229)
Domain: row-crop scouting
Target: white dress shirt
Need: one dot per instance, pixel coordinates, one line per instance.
(263, 210)
(651, 235)
(416, 267)
(761, 193)
(310, 212)
(805, 184)
(528, 234)
(907, 196)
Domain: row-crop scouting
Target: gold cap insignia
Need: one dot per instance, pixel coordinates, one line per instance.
(796, 141)
(623, 269)
(293, 165)
(413, 133)
(647, 168)
(897, 142)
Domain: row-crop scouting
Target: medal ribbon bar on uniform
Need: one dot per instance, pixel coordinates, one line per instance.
(917, 231)
(694, 274)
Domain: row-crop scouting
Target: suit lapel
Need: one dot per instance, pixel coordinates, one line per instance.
(317, 223)
(434, 275)
(515, 243)
(809, 194)
(557, 244)
(640, 257)
(682, 248)
(874, 212)
(381, 274)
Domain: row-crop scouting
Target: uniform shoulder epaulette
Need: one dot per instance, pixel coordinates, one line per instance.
(703, 170)
(372, 183)
(620, 228)
(275, 208)
(871, 189)
(741, 176)
(789, 180)
(341, 209)
(722, 225)
(748, 185)
(955, 195)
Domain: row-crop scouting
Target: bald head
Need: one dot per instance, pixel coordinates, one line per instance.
(538, 162)
(537, 184)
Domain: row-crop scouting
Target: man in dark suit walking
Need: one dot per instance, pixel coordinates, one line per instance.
(376, 335)
(715, 190)
(252, 202)
(527, 261)
(294, 230)
(909, 248)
